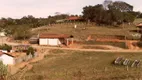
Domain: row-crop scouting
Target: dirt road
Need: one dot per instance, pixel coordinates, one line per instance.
(94, 50)
(3, 40)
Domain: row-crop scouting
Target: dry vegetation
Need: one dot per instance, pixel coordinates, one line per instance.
(80, 33)
(138, 20)
(75, 65)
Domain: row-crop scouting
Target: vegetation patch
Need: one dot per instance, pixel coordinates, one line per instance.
(95, 47)
(6, 47)
(115, 44)
(56, 51)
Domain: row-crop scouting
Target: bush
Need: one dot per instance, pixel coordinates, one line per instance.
(6, 47)
(30, 51)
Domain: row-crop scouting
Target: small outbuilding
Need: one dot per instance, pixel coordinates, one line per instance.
(55, 39)
(7, 59)
(2, 34)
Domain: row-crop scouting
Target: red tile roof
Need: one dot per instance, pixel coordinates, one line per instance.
(53, 36)
(1, 53)
(139, 25)
(74, 18)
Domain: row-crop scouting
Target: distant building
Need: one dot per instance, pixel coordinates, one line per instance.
(70, 19)
(139, 30)
(2, 34)
(74, 18)
(33, 40)
(139, 25)
(54, 39)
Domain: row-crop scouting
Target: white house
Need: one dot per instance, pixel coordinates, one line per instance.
(2, 34)
(53, 39)
(7, 59)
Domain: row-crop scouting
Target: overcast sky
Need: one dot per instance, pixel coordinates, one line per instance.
(43, 8)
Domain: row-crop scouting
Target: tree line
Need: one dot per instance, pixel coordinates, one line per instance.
(20, 28)
(116, 13)
(108, 13)
(32, 21)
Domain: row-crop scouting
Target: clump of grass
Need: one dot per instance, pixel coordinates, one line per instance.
(95, 47)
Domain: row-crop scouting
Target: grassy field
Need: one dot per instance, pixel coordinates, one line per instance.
(138, 20)
(74, 65)
(82, 34)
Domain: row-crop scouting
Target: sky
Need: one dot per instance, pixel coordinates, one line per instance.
(44, 8)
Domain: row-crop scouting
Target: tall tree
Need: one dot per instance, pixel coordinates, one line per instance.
(117, 13)
(92, 12)
(122, 6)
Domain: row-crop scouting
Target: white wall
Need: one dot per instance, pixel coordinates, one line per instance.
(7, 60)
(43, 42)
(53, 42)
(2, 34)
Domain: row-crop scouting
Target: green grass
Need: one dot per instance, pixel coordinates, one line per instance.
(75, 65)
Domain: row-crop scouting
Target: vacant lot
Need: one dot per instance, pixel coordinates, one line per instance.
(75, 65)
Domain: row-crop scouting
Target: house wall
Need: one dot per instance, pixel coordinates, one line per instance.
(48, 41)
(7, 60)
(43, 42)
(2, 34)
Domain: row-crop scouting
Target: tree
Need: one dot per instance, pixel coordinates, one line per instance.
(122, 6)
(92, 12)
(30, 51)
(6, 47)
(128, 17)
(3, 71)
(21, 32)
(116, 14)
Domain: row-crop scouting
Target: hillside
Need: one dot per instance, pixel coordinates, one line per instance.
(75, 65)
(84, 30)
(138, 20)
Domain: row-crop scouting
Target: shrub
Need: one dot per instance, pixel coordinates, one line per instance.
(30, 51)
(6, 47)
